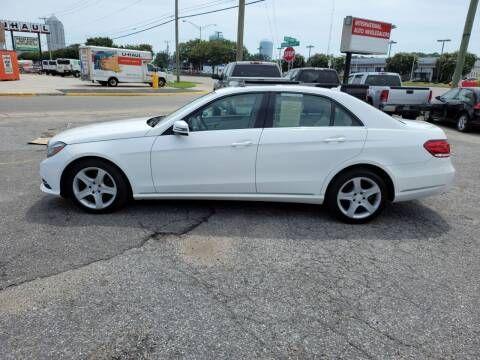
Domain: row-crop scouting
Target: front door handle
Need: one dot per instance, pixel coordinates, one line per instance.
(242, 143)
(335, 139)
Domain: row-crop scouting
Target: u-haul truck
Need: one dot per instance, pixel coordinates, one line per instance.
(110, 66)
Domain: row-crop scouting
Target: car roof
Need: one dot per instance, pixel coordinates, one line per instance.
(315, 68)
(254, 62)
(375, 73)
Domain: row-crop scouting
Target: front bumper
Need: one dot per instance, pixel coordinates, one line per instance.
(51, 170)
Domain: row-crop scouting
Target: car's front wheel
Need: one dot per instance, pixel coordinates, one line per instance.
(357, 196)
(97, 186)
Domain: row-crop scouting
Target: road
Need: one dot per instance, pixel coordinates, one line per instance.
(184, 279)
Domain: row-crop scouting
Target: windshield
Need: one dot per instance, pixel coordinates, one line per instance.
(319, 76)
(383, 80)
(160, 119)
(256, 70)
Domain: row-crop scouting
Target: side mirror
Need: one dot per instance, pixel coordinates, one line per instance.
(439, 98)
(180, 127)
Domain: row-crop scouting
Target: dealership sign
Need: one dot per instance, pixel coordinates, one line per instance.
(25, 27)
(362, 36)
(24, 43)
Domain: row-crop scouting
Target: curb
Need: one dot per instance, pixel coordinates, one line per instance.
(105, 94)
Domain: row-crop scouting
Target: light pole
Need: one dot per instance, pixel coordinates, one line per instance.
(199, 27)
(309, 47)
(240, 29)
(177, 54)
(443, 41)
(390, 43)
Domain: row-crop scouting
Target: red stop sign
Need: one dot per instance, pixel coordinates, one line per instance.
(289, 54)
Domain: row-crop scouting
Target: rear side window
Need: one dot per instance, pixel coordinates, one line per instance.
(299, 110)
(52, 62)
(357, 79)
(255, 70)
(342, 117)
(383, 80)
(63, 62)
(467, 96)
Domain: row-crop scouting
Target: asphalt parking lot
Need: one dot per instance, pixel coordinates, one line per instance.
(184, 279)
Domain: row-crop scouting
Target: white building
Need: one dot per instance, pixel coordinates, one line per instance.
(56, 38)
(367, 64)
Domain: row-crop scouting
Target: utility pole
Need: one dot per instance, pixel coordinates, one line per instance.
(309, 47)
(168, 48)
(464, 45)
(390, 43)
(241, 24)
(177, 55)
(443, 41)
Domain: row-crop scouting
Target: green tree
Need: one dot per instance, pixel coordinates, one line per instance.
(259, 57)
(70, 52)
(318, 60)
(401, 63)
(139, 47)
(338, 64)
(162, 60)
(446, 63)
(100, 41)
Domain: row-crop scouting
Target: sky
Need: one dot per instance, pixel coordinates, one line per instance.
(419, 23)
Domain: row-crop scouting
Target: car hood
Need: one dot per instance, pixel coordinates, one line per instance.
(110, 130)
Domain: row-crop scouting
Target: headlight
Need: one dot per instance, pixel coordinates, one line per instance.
(55, 148)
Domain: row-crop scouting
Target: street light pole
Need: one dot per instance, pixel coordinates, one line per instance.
(199, 27)
(462, 52)
(177, 55)
(390, 43)
(309, 47)
(241, 24)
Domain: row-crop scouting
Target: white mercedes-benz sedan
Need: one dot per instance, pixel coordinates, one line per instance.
(268, 143)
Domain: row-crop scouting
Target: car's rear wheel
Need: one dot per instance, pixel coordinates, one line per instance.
(463, 124)
(357, 196)
(97, 186)
(162, 82)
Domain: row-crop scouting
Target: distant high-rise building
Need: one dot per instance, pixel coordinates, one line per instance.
(56, 38)
(266, 48)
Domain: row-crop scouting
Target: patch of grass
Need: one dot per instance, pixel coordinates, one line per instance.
(181, 84)
(425, 84)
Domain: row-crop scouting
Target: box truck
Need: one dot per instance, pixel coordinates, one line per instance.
(111, 66)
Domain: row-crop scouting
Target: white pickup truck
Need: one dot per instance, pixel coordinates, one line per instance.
(385, 92)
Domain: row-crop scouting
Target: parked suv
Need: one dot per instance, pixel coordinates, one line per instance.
(68, 67)
(314, 76)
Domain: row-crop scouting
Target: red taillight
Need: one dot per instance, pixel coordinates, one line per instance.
(438, 148)
(477, 106)
(384, 96)
(430, 96)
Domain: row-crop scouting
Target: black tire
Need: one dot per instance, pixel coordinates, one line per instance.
(119, 181)
(113, 82)
(76, 74)
(162, 82)
(342, 181)
(463, 122)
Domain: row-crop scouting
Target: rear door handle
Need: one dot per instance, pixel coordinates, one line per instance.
(335, 139)
(242, 143)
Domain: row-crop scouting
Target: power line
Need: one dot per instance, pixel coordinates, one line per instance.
(185, 17)
(156, 19)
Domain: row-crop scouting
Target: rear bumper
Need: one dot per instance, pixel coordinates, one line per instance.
(413, 181)
(399, 109)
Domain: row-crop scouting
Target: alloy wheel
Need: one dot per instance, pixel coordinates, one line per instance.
(359, 197)
(94, 188)
(462, 123)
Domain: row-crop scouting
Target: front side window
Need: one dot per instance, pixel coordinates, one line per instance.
(297, 110)
(228, 113)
